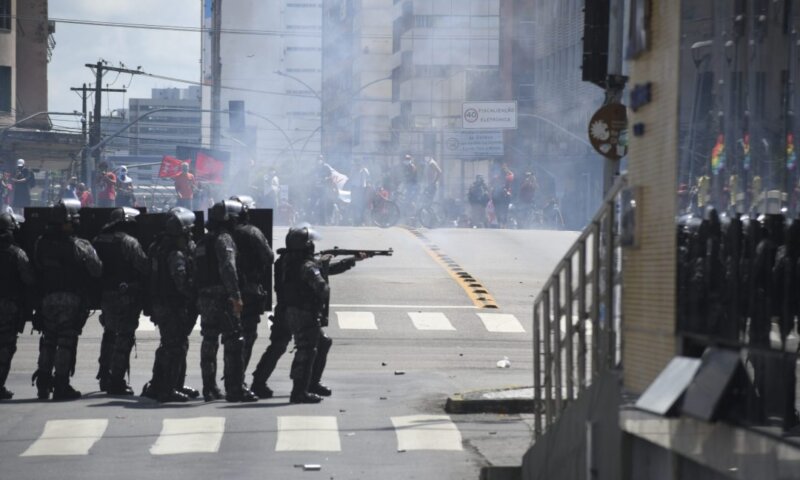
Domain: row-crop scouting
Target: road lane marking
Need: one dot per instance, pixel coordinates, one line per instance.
(308, 434)
(501, 323)
(430, 321)
(426, 432)
(67, 437)
(356, 320)
(189, 435)
(476, 292)
(145, 325)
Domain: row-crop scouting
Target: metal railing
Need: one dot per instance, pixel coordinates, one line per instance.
(576, 317)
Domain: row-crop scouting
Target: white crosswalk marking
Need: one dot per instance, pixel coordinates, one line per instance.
(308, 434)
(426, 432)
(189, 435)
(356, 320)
(430, 321)
(501, 323)
(67, 437)
(145, 325)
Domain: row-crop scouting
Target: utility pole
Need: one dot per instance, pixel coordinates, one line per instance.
(615, 83)
(95, 132)
(84, 90)
(216, 72)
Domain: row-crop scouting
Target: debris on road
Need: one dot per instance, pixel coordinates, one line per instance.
(504, 363)
(399, 372)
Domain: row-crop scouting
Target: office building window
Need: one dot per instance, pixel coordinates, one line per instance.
(5, 89)
(5, 14)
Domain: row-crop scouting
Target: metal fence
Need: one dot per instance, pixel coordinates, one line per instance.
(576, 315)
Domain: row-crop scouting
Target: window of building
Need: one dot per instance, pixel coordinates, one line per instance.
(5, 89)
(5, 14)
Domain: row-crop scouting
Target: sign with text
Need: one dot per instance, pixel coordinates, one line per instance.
(489, 115)
(461, 143)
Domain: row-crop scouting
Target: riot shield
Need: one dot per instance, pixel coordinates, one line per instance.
(261, 218)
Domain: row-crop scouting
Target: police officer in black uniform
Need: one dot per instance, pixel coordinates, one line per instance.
(17, 279)
(279, 338)
(173, 306)
(302, 286)
(65, 265)
(125, 270)
(220, 304)
(253, 264)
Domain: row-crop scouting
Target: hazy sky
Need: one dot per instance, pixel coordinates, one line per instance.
(173, 54)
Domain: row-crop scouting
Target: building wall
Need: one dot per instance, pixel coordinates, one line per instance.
(32, 47)
(648, 294)
(160, 133)
(250, 62)
(8, 58)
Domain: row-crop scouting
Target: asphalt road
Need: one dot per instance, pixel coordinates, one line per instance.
(406, 335)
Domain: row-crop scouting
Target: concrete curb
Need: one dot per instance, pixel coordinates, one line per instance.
(498, 400)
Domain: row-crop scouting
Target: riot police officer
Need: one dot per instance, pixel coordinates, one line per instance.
(173, 306)
(302, 286)
(220, 304)
(125, 270)
(65, 265)
(16, 284)
(253, 264)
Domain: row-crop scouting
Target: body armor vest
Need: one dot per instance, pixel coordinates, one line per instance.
(116, 270)
(251, 271)
(294, 291)
(207, 262)
(165, 291)
(10, 280)
(61, 268)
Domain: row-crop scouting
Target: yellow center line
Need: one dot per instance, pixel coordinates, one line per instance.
(479, 295)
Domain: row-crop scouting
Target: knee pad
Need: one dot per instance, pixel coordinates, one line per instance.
(307, 339)
(68, 342)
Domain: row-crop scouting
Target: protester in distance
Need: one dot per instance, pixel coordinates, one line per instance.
(106, 187)
(23, 182)
(70, 190)
(185, 186)
(65, 265)
(501, 194)
(17, 283)
(433, 176)
(85, 196)
(6, 190)
(360, 189)
(125, 195)
(271, 189)
(125, 271)
(478, 198)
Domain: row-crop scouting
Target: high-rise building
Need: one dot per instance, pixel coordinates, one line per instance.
(161, 132)
(356, 85)
(276, 73)
(445, 53)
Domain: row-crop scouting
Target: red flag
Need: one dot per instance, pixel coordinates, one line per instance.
(208, 168)
(170, 167)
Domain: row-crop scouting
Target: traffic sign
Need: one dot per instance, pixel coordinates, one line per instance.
(465, 143)
(608, 131)
(489, 115)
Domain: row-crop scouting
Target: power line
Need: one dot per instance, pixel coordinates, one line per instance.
(243, 31)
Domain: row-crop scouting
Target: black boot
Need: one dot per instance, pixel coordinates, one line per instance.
(118, 386)
(234, 372)
(44, 384)
(323, 347)
(266, 365)
(261, 390)
(181, 375)
(63, 390)
(301, 396)
(301, 377)
(6, 394)
(320, 390)
(208, 369)
(106, 352)
(172, 396)
(212, 393)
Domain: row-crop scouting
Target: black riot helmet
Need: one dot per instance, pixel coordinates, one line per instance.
(65, 211)
(180, 221)
(10, 221)
(121, 215)
(226, 210)
(246, 200)
(301, 239)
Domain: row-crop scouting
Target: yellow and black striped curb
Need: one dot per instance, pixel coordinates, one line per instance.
(479, 294)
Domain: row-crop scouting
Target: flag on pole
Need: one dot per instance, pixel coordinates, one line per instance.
(208, 169)
(746, 150)
(170, 167)
(718, 155)
(791, 155)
